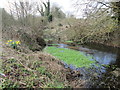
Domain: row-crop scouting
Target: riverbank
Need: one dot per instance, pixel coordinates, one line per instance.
(47, 71)
(104, 44)
(36, 70)
(94, 44)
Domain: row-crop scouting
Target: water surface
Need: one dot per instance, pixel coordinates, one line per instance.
(107, 59)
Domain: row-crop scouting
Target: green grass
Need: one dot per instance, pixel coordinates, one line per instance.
(69, 41)
(70, 56)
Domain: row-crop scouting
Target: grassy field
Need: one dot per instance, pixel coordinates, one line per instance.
(69, 56)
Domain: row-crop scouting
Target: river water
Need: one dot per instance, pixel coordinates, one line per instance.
(108, 59)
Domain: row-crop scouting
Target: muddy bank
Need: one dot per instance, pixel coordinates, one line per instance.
(95, 45)
(103, 47)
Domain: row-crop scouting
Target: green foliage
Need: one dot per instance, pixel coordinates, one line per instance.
(69, 56)
(55, 85)
(43, 71)
(69, 41)
(10, 84)
(28, 75)
(13, 44)
(47, 8)
(50, 18)
(47, 11)
(110, 66)
(116, 10)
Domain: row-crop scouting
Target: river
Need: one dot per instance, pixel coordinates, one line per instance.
(108, 60)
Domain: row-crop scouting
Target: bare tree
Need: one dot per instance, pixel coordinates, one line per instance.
(21, 10)
(93, 7)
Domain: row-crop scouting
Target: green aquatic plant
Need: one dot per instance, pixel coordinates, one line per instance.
(69, 41)
(70, 56)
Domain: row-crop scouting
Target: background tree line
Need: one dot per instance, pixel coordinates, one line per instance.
(100, 23)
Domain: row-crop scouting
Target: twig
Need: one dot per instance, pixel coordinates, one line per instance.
(27, 67)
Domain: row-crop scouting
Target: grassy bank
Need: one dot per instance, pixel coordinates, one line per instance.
(69, 56)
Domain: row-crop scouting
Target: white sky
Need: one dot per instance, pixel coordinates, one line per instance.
(65, 5)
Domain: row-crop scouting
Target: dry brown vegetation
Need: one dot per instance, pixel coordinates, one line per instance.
(35, 70)
(27, 66)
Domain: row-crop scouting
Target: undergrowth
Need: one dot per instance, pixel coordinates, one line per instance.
(31, 74)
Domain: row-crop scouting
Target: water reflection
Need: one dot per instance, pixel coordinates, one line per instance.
(104, 57)
(98, 76)
(118, 59)
(62, 45)
(101, 57)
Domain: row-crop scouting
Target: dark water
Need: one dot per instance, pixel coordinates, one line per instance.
(107, 58)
